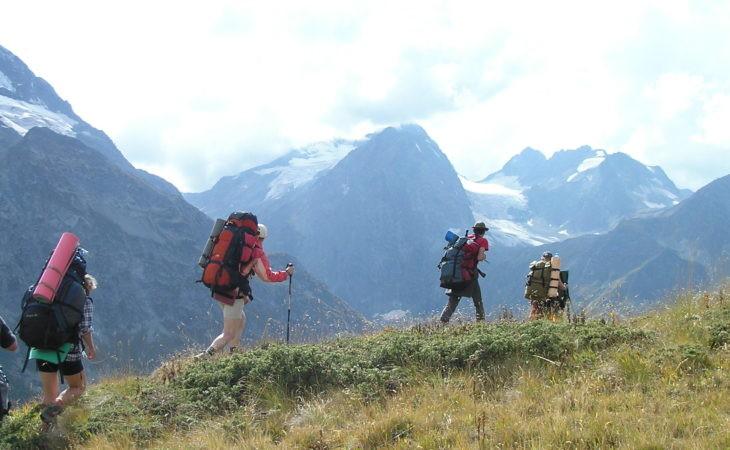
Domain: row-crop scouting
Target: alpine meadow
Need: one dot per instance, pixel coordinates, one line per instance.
(333, 225)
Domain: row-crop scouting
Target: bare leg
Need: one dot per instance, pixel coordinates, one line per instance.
(76, 387)
(231, 329)
(50, 384)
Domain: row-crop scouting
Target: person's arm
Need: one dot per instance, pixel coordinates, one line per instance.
(88, 339)
(482, 255)
(262, 270)
(7, 338)
(85, 329)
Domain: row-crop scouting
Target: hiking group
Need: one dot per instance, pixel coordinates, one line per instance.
(57, 310)
(546, 287)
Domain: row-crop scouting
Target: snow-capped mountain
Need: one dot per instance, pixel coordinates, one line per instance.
(253, 187)
(534, 199)
(368, 216)
(28, 101)
(639, 261)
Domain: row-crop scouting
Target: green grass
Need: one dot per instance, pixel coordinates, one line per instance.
(656, 381)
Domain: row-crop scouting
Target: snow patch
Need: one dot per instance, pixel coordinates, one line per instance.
(22, 116)
(591, 163)
(314, 160)
(394, 315)
(588, 164)
(6, 83)
(509, 181)
(564, 232)
(512, 233)
(490, 189)
(652, 205)
(418, 147)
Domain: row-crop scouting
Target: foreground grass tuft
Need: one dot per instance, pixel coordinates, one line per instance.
(657, 381)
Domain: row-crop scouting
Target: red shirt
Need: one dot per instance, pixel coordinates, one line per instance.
(471, 251)
(260, 265)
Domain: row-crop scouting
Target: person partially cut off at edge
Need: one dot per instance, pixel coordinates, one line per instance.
(232, 302)
(9, 343)
(474, 251)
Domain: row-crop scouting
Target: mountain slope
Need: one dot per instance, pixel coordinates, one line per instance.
(254, 187)
(640, 260)
(28, 101)
(501, 385)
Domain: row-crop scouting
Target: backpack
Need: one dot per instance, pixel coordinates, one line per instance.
(232, 249)
(4, 395)
(538, 281)
(453, 276)
(48, 326)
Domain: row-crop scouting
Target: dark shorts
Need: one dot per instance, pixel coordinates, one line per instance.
(68, 368)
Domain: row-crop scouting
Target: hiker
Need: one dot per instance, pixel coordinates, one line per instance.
(9, 343)
(67, 358)
(233, 301)
(546, 297)
(475, 250)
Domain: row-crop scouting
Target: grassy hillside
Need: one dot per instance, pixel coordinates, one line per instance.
(658, 381)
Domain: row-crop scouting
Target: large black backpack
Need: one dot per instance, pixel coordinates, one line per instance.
(452, 277)
(48, 326)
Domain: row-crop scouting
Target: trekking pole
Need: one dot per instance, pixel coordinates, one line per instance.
(288, 311)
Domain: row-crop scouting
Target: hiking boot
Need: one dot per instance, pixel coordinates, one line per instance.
(50, 412)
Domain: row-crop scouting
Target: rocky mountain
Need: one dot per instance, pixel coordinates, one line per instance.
(639, 261)
(534, 199)
(28, 101)
(370, 220)
(260, 185)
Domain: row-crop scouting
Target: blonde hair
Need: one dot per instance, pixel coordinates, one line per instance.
(90, 283)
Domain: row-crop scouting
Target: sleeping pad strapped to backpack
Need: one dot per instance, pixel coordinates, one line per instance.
(232, 249)
(47, 326)
(453, 276)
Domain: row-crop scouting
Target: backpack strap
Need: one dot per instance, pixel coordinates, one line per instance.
(27, 358)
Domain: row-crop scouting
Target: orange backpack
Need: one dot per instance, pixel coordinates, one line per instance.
(232, 249)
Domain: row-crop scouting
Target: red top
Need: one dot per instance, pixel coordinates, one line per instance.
(471, 251)
(261, 267)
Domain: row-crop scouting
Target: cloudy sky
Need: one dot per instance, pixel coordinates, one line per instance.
(196, 90)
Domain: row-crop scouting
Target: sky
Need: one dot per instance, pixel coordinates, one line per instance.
(193, 91)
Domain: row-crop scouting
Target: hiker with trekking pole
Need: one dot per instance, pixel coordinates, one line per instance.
(233, 254)
(459, 271)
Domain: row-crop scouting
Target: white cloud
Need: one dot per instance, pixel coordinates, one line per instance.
(195, 91)
(715, 122)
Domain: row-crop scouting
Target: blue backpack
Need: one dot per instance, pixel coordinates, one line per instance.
(452, 277)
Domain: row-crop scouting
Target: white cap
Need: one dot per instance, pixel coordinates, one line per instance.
(263, 231)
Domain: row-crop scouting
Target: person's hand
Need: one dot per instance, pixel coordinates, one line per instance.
(290, 269)
(91, 353)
